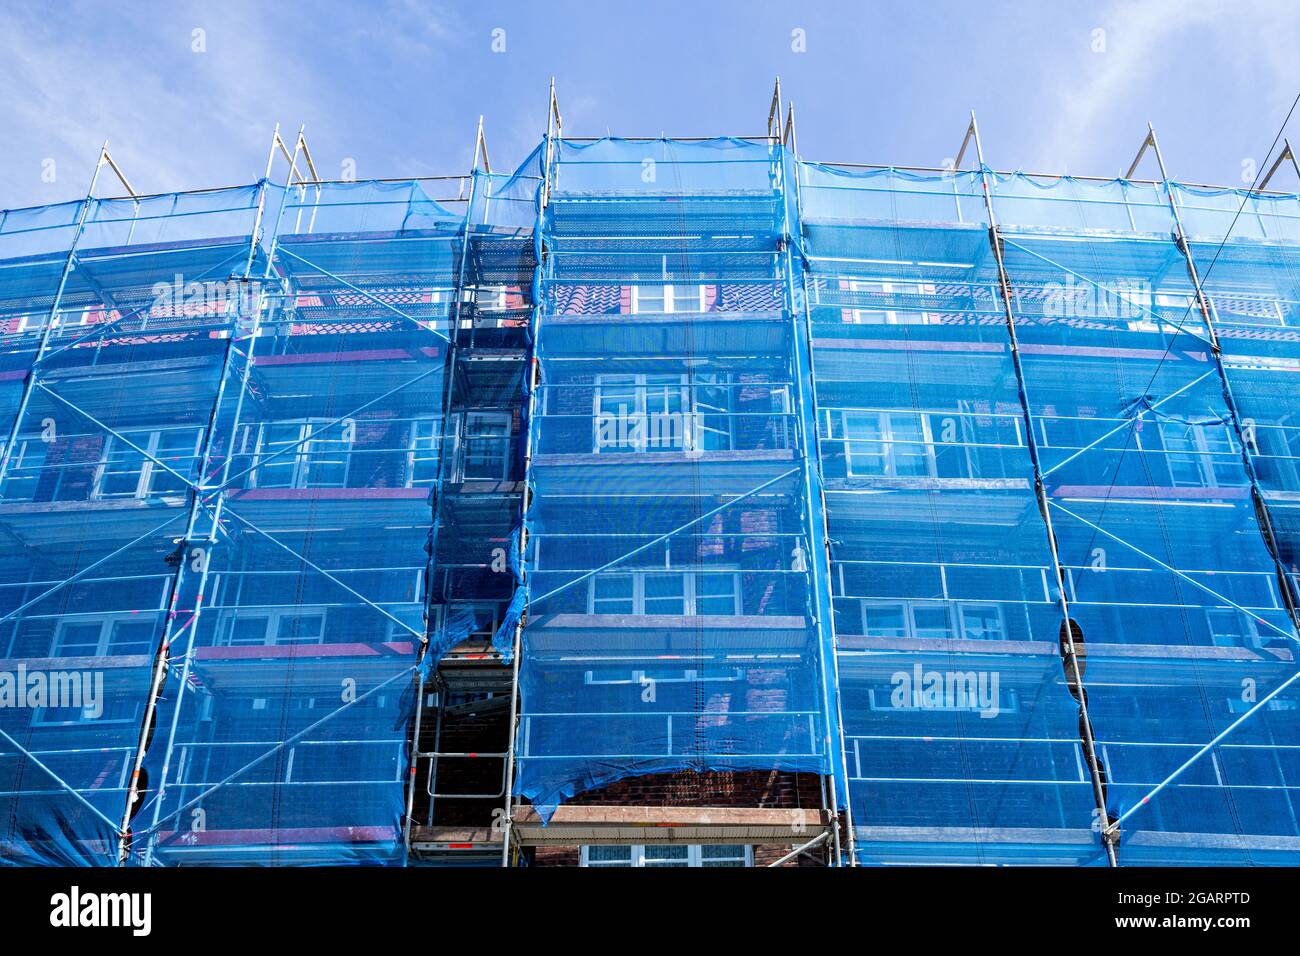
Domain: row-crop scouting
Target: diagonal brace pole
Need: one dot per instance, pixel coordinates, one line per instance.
(1218, 739)
(257, 761)
(663, 537)
(90, 567)
(319, 570)
(328, 425)
(361, 291)
(1172, 570)
(1128, 424)
(1177, 328)
(59, 780)
(119, 436)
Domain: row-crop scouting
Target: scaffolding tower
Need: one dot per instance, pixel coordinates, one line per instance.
(407, 521)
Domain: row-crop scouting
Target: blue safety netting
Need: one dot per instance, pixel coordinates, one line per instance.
(942, 558)
(278, 439)
(673, 620)
(236, 446)
(1169, 572)
(962, 740)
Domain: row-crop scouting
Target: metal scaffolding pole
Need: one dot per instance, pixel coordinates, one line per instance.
(1264, 519)
(209, 539)
(1210, 317)
(1109, 836)
(553, 130)
(449, 388)
(819, 558)
(30, 382)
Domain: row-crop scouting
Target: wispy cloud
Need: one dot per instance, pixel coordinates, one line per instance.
(1147, 45)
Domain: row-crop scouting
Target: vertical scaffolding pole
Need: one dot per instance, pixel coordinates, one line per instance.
(204, 557)
(210, 539)
(69, 263)
(1210, 317)
(1109, 836)
(819, 556)
(449, 388)
(534, 378)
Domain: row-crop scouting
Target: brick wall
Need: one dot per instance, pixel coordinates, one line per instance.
(745, 788)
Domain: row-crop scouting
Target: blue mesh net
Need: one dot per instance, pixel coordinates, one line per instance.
(673, 618)
(789, 495)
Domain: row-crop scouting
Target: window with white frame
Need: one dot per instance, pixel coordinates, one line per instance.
(1201, 456)
(668, 298)
(424, 443)
(1232, 628)
(36, 321)
(890, 316)
(640, 412)
(674, 855)
(669, 411)
(933, 619)
(302, 453)
(883, 444)
(105, 635)
(26, 466)
(146, 463)
(676, 593)
(659, 675)
(273, 626)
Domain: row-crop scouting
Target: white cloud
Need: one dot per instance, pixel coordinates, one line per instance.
(1146, 43)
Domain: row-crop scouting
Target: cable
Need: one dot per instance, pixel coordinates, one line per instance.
(1179, 327)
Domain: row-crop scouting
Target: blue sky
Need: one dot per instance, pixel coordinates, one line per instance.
(397, 85)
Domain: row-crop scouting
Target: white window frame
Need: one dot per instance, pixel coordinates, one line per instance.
(694, 858)
(956, 617)
(889, 287)
(887, 441)
(271, 616)
(22, 443)
(638, 414)
(1200, 454)
(416, 453)
(504, 439)
(148, 440)
(639, 678)
(107, 624)
(302, 447)
(689, 595)
(695, 302)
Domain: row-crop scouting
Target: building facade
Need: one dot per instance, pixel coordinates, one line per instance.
(661, 503)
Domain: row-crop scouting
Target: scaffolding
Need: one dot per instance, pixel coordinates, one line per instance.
(378, 521)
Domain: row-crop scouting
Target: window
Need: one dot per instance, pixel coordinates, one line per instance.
(887, 289)
(300, 454)
(660, 675)
(280, 627)
(981, 622)
(486, 446)
(1231, 628)
(933, 619)
(883, 444)
(1201, 456)
(425, 440)
(153, 470)
(680, 856)
(665, 412)
(36, 321)
(665, 592)
(114, 635)
(26, 468)
(667, 298)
